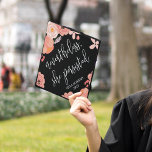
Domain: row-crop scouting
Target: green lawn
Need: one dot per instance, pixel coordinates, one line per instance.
(50, 132)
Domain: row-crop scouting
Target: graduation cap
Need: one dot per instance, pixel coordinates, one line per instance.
(67, 61)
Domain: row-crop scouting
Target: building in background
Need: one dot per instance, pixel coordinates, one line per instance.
(22, 28)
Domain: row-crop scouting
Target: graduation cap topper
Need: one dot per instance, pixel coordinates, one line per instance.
(67, 61)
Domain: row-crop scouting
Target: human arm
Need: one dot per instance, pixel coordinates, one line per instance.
(81, 109)
(119, 135)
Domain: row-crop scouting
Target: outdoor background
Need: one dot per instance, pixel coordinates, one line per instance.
(33, 120)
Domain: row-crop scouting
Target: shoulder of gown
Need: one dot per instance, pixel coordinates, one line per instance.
(124, 130)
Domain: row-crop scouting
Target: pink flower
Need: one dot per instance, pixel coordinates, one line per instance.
(90, 75)
(95, 44)
(63, 31)
(74, 34)
(40, 80)
(78, 37)
(84, 92)
(42, 58)
(87, 82)
(66, 95)
(48, 45)
(52, 30)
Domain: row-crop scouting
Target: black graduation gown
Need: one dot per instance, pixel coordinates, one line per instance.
(125, 133)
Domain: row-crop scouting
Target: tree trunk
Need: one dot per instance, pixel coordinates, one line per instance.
(149, 64)
(125, 67)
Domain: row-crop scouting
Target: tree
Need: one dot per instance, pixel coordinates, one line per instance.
(148, 52)
(60, 12)
(125, 67)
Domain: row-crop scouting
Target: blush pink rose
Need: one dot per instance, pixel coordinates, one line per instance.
(84, 92)
(66, 95)
(52, 30)
(40, 80)
(48, 45)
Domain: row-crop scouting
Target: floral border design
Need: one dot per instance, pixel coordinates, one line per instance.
(88, 81)
(40, 80)
(95, 44)
(66, 95)
(54, 35)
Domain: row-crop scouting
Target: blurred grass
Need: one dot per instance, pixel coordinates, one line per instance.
(51, 132)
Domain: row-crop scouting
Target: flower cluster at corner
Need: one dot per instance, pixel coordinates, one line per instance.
(54, 35)
(84, 90)
(84, 93)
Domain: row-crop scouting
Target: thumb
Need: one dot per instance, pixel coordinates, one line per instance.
(73, 97)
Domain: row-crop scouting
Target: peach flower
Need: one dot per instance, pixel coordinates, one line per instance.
(66, 95)
(52, 30)
(63, 31)
(40, 80)
(48, 45)
(87, 82)
(84, 92)
(42, 58)
(78, 37)
(90, 75)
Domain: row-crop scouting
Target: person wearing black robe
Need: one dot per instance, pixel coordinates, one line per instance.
(128, 132)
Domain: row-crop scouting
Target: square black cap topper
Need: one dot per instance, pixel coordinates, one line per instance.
(67, 61)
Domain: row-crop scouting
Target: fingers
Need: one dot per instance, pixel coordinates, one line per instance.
(82, 102)
(84, 99)
(83, 106)
(73, 96)
(78, 95)
(79, 103)
(79, 106)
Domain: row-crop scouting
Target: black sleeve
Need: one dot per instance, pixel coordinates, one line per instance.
(119, 135)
